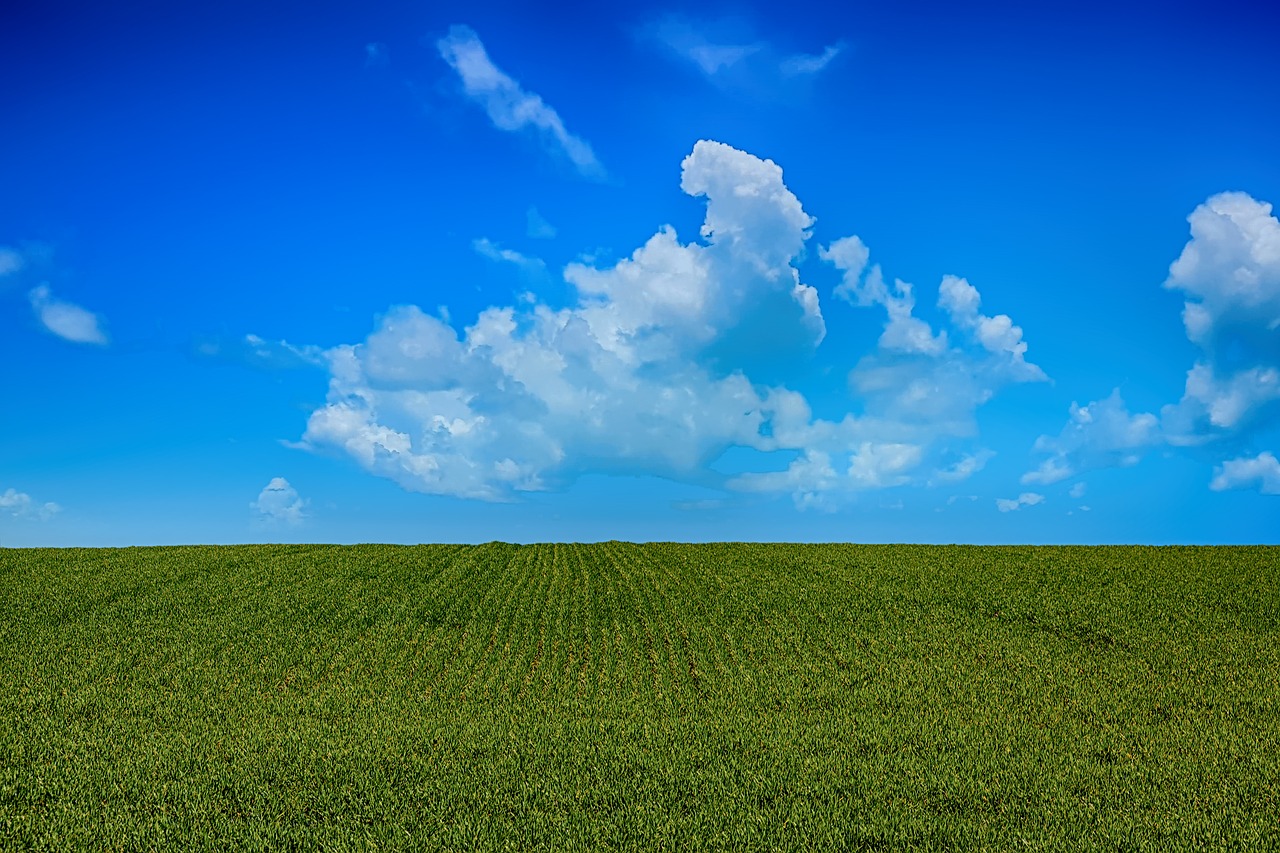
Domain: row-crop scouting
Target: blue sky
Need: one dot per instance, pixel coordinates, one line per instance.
(455, 272)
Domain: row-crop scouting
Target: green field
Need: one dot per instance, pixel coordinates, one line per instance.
(656, 697)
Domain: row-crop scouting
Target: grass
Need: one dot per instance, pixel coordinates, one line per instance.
(656, 697)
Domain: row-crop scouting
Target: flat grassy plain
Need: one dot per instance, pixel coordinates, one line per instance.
(656, 697)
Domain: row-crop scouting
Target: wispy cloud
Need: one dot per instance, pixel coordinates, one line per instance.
(806, 63)
(494, 252)
(66, 320)
(10, 261)
(705, 46)
(537, 227)
(509, 106)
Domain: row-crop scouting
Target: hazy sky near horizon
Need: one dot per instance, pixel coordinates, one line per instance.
(416, 272)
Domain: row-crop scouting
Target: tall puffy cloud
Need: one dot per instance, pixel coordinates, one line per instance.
(508, 105)
(649, 370)
(65, 319)
(1229, 272)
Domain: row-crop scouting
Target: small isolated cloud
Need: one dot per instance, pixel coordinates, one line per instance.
(509, 106)
(805, 63)
(491, 250)
(687, 42)
(278, 503)
(10, 261)
(22, 505)
(720, 52)
(538, 227)
(376, 55)
(1014, 504)
(1078, 490)
(1262, 472)
(67, 321)
(255, 351)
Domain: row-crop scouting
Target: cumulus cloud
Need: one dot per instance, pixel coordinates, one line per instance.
(1103, 434)
(66, 320)
(279, 503)
(509, 106)
(922, 377)
(1014, 504)
(22, 505)
(1078, 490)
(1230, 274)
(1262, 472)
(650, 370)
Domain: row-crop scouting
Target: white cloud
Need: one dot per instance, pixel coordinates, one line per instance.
(1230, 274)
(1078, 490)
(509, 106)
(804, 63)
(1014, 504)
(22, 505)
(686, 41)
(491, 250)
(964, 468)
(10, 261)
(278, 503)
(998, 335)
(649, 370)
(1261, 472)
(720, 53)
(918, 375)
(67, 321)
(1102, 434)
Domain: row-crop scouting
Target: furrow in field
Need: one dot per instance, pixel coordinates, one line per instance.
(470, 652)
(538, 618)
(559, 677)
(456, 594)
(510, 625)
(636, 624)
